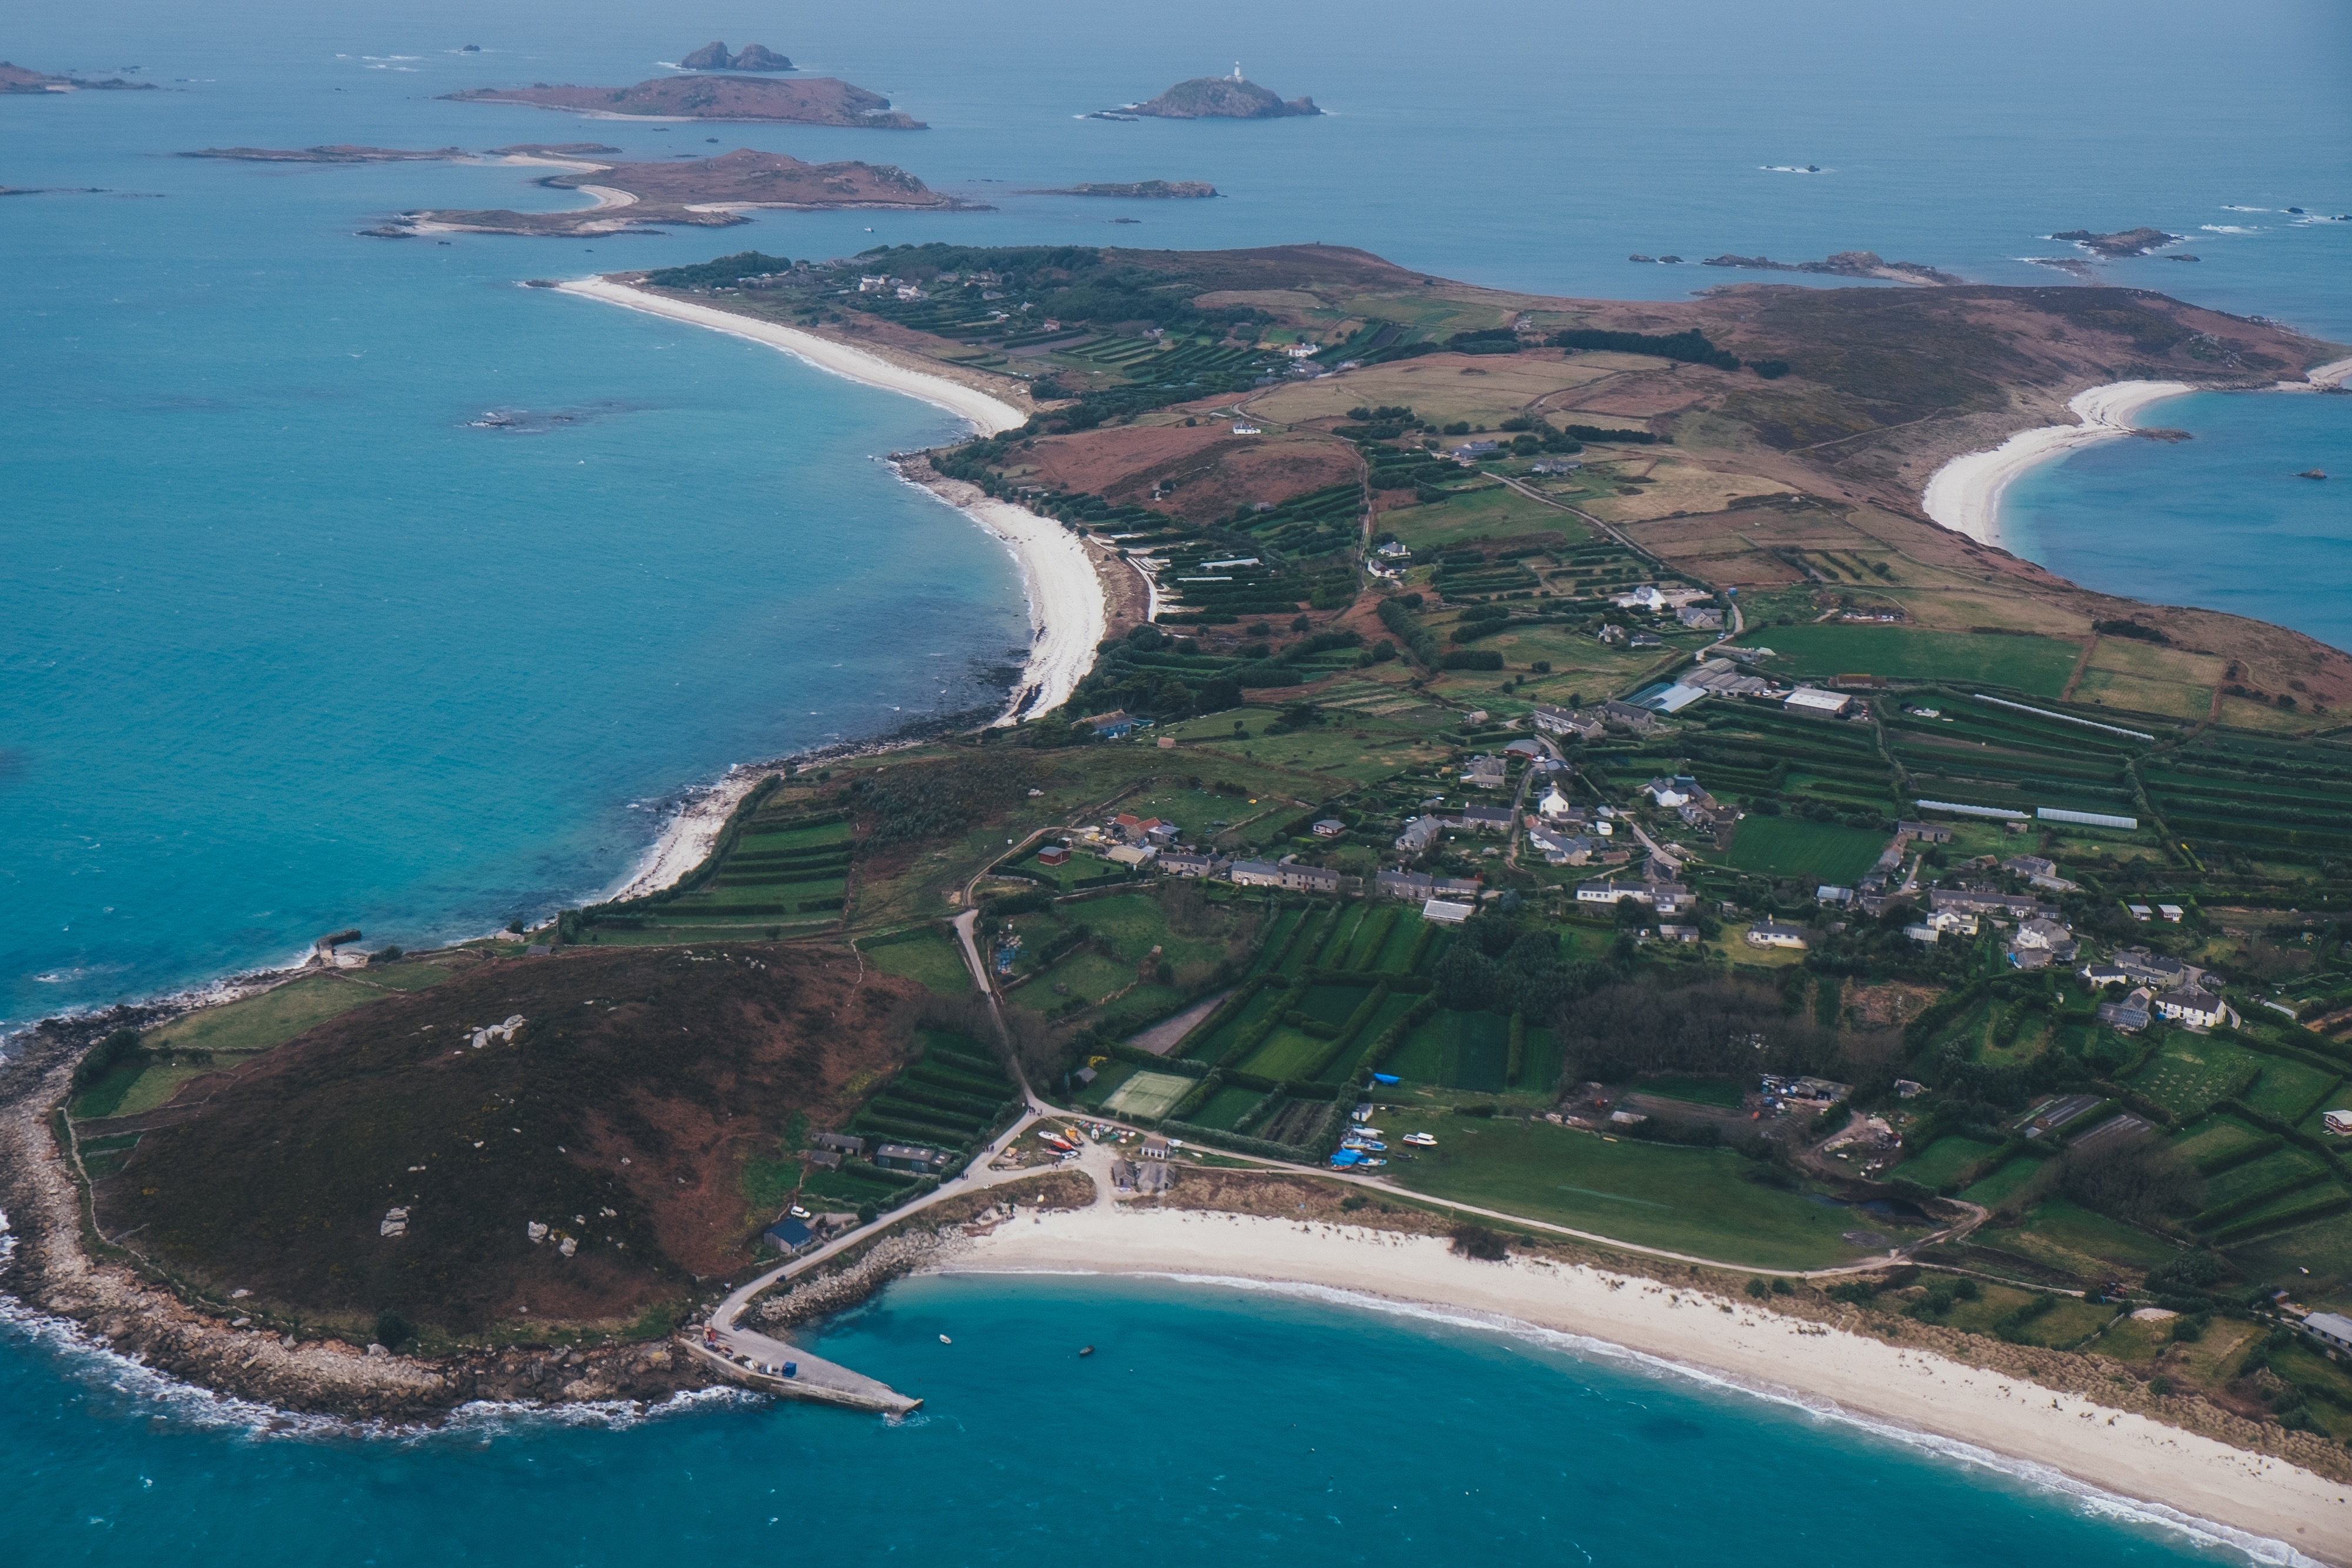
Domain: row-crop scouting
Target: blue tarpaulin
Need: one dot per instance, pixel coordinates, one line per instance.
(1385, 1078)
(1346, 1158)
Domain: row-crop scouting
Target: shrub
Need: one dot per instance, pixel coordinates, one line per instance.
(1782, 1288)
(1759, 1288)
(106, 1056)
(1477, 1242)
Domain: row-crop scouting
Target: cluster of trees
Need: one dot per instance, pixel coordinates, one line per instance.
(1502, 966)
(720, 273)
(1691, 346)
(1708, 1027)
(904, 805)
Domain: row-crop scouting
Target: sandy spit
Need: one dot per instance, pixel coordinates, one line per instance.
(989, 415)
(2116, 1462)
(1965, 494)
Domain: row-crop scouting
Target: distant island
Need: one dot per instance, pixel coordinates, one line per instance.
(713, 56)
(1148, 190)
(23, 79)
(2116, 246)
(701, 192)
(816, 101)
(551, 150)
(335, 155)
(1844, 264)
(1223, 98)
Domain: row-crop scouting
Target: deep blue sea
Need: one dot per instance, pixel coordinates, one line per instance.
(289, 643)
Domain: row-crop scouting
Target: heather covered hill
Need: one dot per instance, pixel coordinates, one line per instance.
(623, 1114)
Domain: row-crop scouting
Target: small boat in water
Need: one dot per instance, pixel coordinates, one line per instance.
(944, 1340)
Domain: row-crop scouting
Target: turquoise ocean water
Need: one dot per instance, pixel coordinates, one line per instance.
(287, 643)
(1218, 1424)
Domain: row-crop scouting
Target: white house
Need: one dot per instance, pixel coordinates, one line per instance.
(1772, 934)
(2339, 1123)
(2190, 1006)
(1554, 805)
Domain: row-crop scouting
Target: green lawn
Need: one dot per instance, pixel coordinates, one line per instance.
(1287, 1053)
(1946, 1160)
(1225, 1107)
(930, 955)
(1456, 1051)
(1807, 853)
(1722, 1093)
(2072, 1229)
(2039, 665)
(1684, 1200)
(2289, 1089)
(1998, 1187)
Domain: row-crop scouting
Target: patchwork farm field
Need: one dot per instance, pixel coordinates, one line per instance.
(1805, 851)
(2038, 666)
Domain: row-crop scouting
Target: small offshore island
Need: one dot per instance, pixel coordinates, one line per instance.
(811, 100)
(1531, 751)
(1221, 98)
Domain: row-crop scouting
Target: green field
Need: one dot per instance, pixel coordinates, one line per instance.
(1807, 853)
(1993, 1189)
(930, 955)
(2039, 665)
(1456, 1051)
(1497, 512)
(1724, 1093)
(2189, 1072)
(1225, 1107)
(1684, 1200)
(1946, 1161)
(2290, 1090)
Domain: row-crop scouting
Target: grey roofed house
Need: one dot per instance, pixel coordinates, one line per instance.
(1419, 835)
(1981, 901)
(2104, 974)
(1563, 721)
(1254, 874)
(1486, 819)
(909, 1157)
(1307, 878)
(1328, 828)
(2030, 865)
(2329, 1328)
(1190, 866)
(844, 1143)
(1626, 713)
(1487, 772)
(1931, 833)
(1700, 617)
(2162, 969)
(1415, 884)
(826, 1159)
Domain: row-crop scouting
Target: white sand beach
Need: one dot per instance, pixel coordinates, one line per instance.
(686, 838)
(987, 413)
(2058, 1441)
(1965, 494)
(1067, 614)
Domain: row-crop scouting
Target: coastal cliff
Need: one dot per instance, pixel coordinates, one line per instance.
(713, 56)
